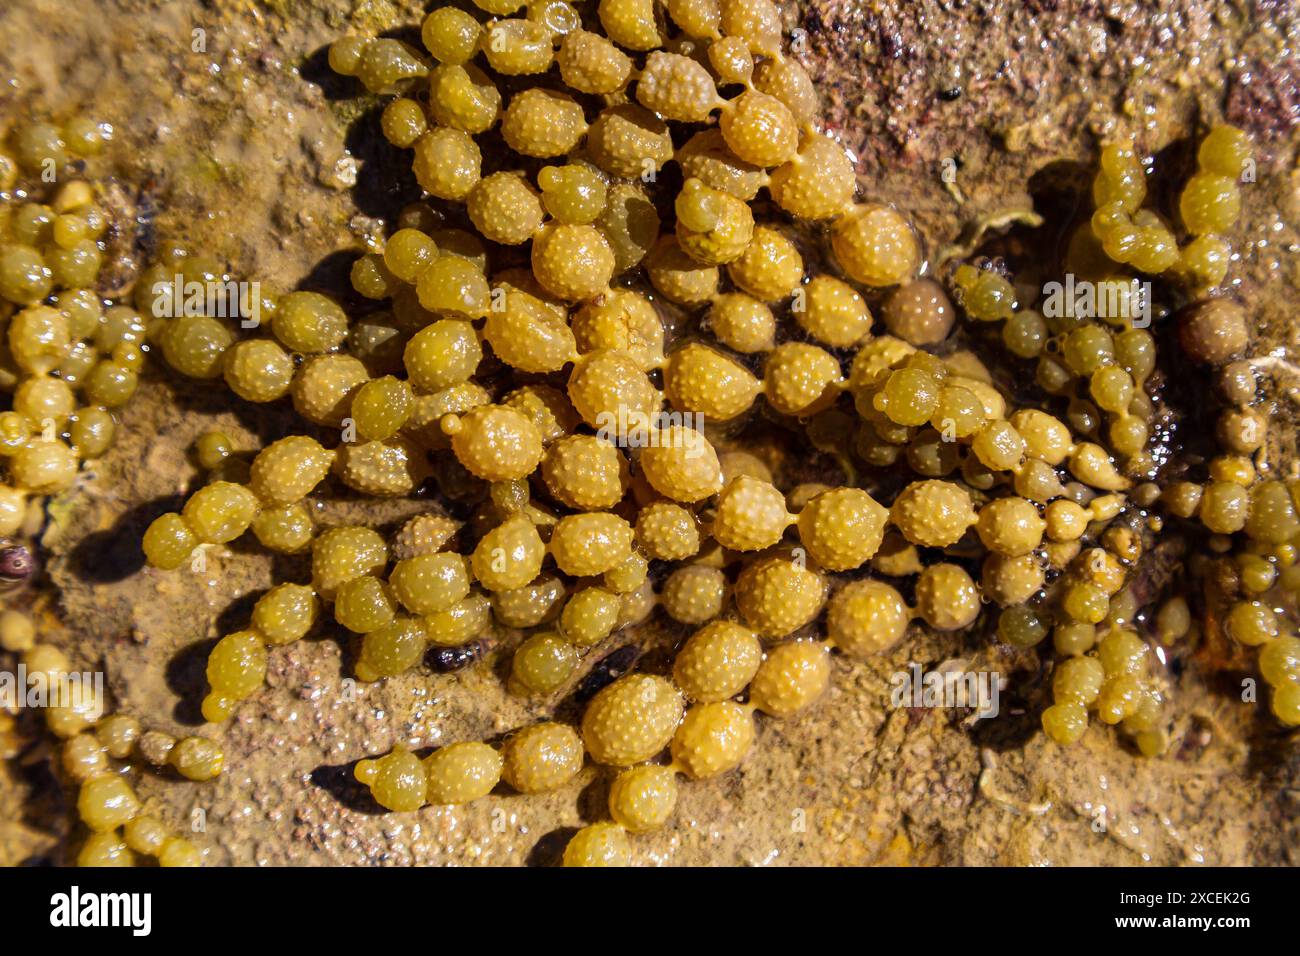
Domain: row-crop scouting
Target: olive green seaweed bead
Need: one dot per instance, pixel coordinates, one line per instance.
(169, 542)
(391, 649)
(461, 772)
(542, 757)
(285, 613)
(220, 512)
(543, 663)
(397, 780)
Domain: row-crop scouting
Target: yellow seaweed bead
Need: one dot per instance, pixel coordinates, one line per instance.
(392, 649)
(505, 208)
(364, 604)
(453, 286)
(461, 772)
(237, 665)
(758, 22)
(496, 443)
(1286, 704)
(447, 163)
(751, 515)
(403, 122)
(631, 720)
(1065, 722)
(574, 193)
(910, 397)
(741, 322)
(82, 756)
(105, 849)
(770, 268)
(590, 615)
(324, 385)
(459, 623)
(842, 528)
(608, 386)
(145, 834)
(677, 276)
(713, 738)
(793, 677)
(643, 798)
(462, 97)
(801, 379)
(713, 227)
(776, 596)
(818, 183)
(623, 320)
(585, 472)
(1010, 526)
(629, 141)
(630, 23)
(759, 129)
(451, 35)
(528, 334)
(430, 583)
(44, 467)
(876, 245)
(195, 345)
(106, 802)
(585, 545)
(703, 380)
(546, 407)
(308, 322)
(341, 554)
(666, 531)
(258, 370)
(542, 758)
(705, 156)
(285, 613)
(543, 123)
(517, 47)
(590, 63)
(946, 597)
(169, 542)
(392, 467)
(380, 407)
(1210, 203)
(789, 82)
(1045, 437)
(627, 578)
(699, 19)
(542, 664)
(717, 662)
(197, 758)
(220, 511)
(933, 513)
(681, 464)
(383, 63)
(676, 87)
(731, 61)
(833, 312)
(396, 780)
(572, 262)
(509, 556)
(1251, 623)
(600, 844)
(866, 617)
